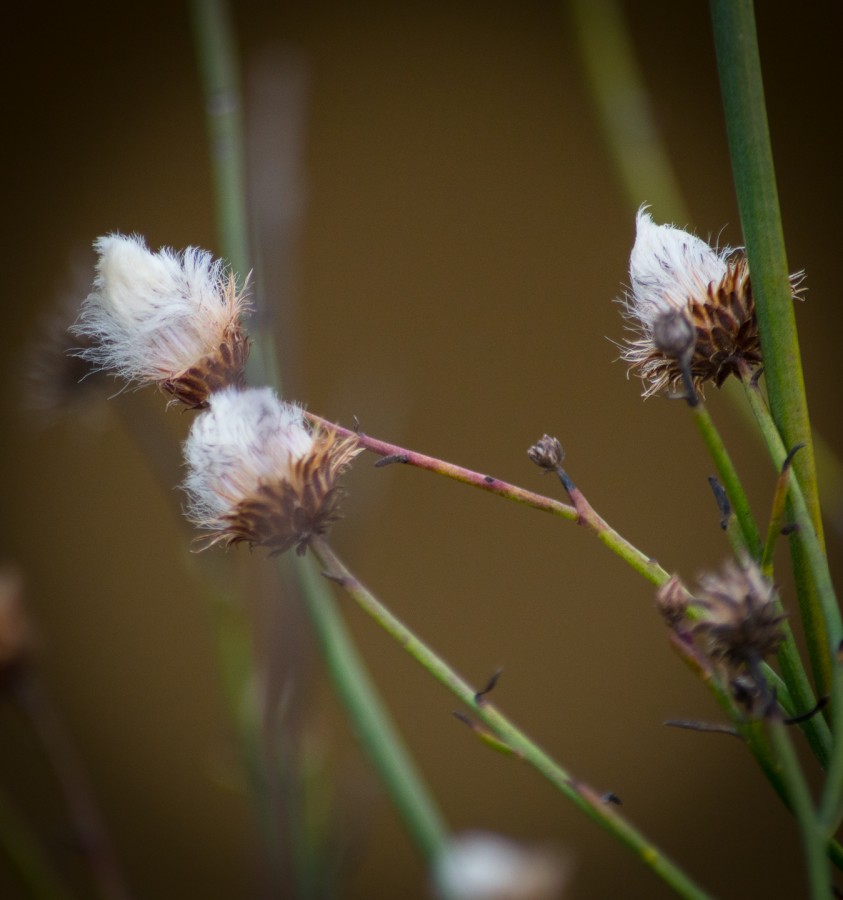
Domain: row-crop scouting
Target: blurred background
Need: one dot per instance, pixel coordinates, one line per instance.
(442, 232)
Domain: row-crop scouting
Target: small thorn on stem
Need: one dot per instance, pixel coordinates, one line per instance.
(804, 717)
(756, 377)
(611, 797)
(389, 460)
(355, 425)
(480, 696)
(722, 499)
(788, 460)
(690, 725)
(341, 580)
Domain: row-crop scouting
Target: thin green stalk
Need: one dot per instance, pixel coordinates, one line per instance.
(218, 63)
(586, 516)
(822, 622)
(728, 476)
(373, 728)
(623, 104)
(788, 656)
(587, 800)
(739, 67)
(217, 57)
(814, 842)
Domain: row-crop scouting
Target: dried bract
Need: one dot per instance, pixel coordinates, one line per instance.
(741, 621)
(258, 473)
(689, 305)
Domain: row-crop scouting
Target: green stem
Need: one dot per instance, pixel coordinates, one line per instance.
(813, 841)
(372, 726)
(739, 67)
(586, 799)
(822, 621)
(729, 477)
(585, 515)
(218, 65)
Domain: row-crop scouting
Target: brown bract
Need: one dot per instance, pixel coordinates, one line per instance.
(302, 503)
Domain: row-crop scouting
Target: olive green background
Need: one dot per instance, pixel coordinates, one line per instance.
(444, 269)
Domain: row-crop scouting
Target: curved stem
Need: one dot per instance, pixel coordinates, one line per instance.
(584, 797)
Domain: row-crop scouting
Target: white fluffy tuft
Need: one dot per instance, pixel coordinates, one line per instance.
(153, 315)
(246, 438)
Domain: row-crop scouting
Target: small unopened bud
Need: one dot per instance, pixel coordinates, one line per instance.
(741, 620)
(481, 866)
(674, 335)
(547, 453)
(672, 600)
(165, 318)
(258, 473)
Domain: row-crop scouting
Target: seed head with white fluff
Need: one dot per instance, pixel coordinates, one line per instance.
(258, 473)
(167, 318)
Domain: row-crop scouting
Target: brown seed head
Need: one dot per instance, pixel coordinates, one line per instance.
(547, 453)
(741, 622)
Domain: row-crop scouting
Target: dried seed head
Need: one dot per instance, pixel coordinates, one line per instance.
(683, 291)
(547, 453)
(165, 318)
(741, 621)
(481, 866)
(257, 472)
(672, 600)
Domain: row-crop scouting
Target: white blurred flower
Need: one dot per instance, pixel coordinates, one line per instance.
(168, 318)
(483, 866)
(258, 473)
(674, 274)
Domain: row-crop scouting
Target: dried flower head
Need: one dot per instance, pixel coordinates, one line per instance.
(258, 473)
(167, 318)
(547, 453)
(741, 621)
(481, 866)
(689, 305)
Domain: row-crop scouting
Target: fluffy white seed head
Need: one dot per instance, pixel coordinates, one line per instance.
(246, 438)
(483, 866)
(258, 473)
(668, 267)
(152, 316)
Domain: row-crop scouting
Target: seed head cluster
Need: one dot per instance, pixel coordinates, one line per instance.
(257, 471)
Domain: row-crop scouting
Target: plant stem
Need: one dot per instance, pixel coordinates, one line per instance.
(739, 67)
(218, 65)
(372, 726)
(731, 482)
(586, 516)
(813, 841)
(821, 619)
(585, 798)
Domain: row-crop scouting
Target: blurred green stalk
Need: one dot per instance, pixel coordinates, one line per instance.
(216, 50)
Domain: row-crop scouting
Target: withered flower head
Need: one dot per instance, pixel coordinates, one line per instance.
(690, 305)
(258, 473)
(741, 622)
(547, 453)
(172, 319)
